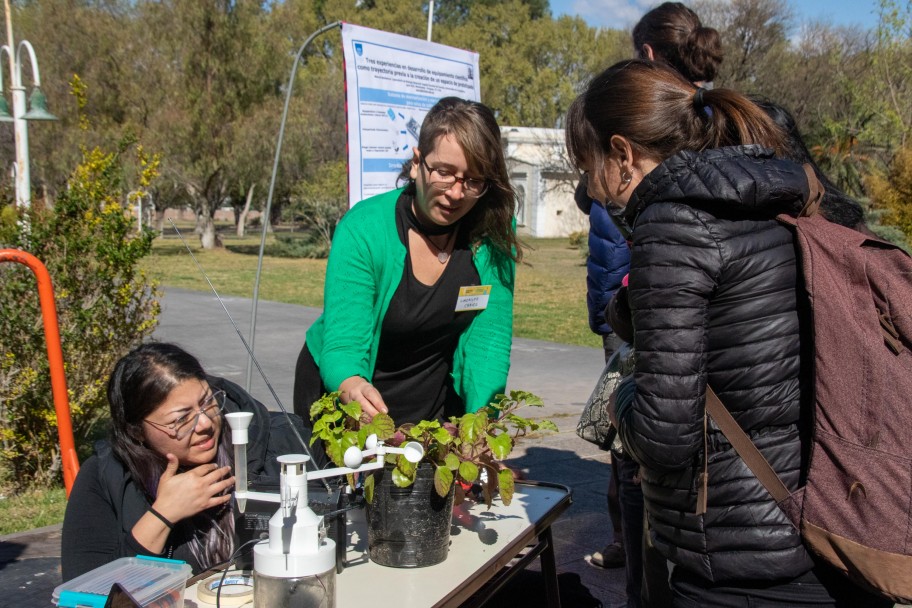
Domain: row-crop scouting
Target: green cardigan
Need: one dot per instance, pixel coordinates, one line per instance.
(364, 270)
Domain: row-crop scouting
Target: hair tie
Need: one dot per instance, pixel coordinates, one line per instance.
(698, 99)
(168, 523)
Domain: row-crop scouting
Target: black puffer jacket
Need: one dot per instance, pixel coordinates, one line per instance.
(713, 291)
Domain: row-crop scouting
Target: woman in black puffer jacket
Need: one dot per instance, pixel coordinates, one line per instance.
(713, 292)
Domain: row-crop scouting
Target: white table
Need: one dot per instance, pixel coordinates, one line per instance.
(482, 543)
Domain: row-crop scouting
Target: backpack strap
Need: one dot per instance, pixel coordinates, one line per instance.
(745, 448)
(815, 192)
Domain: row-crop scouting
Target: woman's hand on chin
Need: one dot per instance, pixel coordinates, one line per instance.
(356, 388)
(183, 495)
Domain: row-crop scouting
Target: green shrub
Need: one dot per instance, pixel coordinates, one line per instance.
(319, 203)
(105, 306)
(579, 238)
(891, 193)
(308, 244)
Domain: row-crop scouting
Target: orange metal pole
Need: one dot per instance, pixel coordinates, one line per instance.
(55, 357)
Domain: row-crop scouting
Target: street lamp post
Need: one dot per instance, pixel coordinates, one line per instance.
(37, 102)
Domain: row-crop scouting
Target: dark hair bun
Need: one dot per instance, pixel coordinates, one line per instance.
(677, 37)
(702, 55)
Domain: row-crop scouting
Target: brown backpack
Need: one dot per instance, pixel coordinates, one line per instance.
(855, 510)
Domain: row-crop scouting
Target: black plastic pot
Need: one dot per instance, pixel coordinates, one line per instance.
(408, 527)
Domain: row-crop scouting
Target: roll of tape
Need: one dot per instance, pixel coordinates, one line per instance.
(237, 589)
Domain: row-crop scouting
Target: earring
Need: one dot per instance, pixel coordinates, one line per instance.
(626, 176)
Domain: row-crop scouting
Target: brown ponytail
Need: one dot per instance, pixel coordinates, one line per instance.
(661, 114)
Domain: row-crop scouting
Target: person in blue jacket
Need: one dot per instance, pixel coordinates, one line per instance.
(606, 265)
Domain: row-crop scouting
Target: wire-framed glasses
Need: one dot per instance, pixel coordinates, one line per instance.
(212, 406)
(441, 179)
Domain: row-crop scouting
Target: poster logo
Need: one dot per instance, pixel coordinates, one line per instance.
(359, 49)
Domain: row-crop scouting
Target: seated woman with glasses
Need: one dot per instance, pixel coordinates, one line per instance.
(161, 485)
(403, 329)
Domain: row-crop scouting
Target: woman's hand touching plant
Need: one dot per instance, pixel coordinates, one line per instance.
(467, 449)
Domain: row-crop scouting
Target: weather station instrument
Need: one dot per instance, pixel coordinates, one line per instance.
(296, 565)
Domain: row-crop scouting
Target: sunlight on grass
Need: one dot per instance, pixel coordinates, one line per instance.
(550, 298)
(34, 508)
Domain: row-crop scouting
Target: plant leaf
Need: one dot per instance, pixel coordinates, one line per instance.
(318, 430)
(334, 452)
(468, 471)
(527, 397)
(443, 480)
(382, 425)
(401, 479)
(501, 445)
(409, 469)
(352, 409)
(467, 430)
(507, 485)
(349, 439)
(547, 425)
(442, 436)
(452, 461)
(369, 489)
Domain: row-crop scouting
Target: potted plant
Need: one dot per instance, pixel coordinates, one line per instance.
(458, 454)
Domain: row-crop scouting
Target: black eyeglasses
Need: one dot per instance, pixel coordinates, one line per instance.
(446, 180)
(212, 406)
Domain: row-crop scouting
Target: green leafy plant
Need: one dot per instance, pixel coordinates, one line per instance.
(105, 303)
(460, 450)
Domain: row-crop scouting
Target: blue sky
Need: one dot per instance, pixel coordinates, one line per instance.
(624, 13)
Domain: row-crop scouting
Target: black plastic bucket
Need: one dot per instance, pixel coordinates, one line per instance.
(408, 527)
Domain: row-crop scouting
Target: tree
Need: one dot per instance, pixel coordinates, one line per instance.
(532, 69)
(891, 191)
(458, 12)
(320, 203)
(892, 74)
(754, 38)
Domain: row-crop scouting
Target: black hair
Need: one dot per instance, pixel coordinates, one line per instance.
(677, 37)
(141, 381)
(836, 206)
(661, 113)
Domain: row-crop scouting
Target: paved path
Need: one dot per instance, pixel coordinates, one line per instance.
(562, 375)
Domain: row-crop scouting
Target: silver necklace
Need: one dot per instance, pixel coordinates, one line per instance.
(443, 255)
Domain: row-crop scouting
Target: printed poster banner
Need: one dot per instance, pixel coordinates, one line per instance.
(391, 83)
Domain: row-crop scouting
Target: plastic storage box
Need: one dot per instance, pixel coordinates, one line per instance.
(152, 581)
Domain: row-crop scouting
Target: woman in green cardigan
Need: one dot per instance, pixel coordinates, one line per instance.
(418, 301)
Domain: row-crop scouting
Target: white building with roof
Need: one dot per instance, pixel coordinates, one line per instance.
(542, 176)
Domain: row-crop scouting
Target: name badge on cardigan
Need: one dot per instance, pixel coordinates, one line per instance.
(473, 297)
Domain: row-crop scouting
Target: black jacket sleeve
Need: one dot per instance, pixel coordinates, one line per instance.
(93, 532)
(674, 269)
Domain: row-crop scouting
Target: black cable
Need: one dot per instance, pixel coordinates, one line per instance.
(227, 566)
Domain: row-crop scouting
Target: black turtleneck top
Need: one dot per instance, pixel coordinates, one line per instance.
(420, 332)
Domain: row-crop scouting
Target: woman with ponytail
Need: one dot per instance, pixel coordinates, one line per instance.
(712, 288)
(161, 485)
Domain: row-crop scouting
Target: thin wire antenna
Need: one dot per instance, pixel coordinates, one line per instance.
(250, 352)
